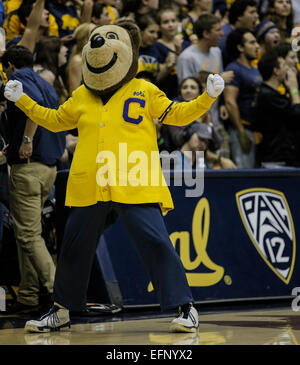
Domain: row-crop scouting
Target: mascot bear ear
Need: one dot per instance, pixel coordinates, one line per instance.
(136, 40)
(133, 30)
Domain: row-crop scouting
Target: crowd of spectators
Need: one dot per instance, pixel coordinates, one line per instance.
(253, 44)
(180, 39)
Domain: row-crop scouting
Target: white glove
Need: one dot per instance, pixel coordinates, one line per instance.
(215, 85)
(13, 90)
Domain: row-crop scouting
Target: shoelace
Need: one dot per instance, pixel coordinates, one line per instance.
(183, 313)
(186, 314)
(52, 317)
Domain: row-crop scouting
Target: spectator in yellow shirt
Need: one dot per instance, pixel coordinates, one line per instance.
(16, 21)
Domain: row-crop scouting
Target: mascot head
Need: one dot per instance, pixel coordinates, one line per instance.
(110, 58)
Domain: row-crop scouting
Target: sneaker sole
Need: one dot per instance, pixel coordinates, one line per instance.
(176, 327)
(31, 328)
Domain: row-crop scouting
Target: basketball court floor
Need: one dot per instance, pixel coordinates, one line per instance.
(245, 325)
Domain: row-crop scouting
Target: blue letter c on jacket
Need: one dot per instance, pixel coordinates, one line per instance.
(126, 110)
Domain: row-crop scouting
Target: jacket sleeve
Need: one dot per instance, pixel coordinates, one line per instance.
(179, 114)
(64, 118)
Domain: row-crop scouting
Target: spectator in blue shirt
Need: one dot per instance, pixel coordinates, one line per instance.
(33, 154)
(239, 95)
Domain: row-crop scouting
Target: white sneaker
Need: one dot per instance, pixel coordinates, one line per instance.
(54, 320)
(187, 320)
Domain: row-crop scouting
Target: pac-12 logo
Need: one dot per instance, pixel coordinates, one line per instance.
(269, 224)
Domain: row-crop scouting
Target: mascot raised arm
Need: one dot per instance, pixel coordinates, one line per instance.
(114, 112)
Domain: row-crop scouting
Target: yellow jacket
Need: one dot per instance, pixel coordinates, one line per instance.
(14, 28)
(124, 127)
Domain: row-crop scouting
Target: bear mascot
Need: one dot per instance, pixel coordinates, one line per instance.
(114, 113)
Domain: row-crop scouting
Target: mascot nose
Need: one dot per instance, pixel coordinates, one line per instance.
(97, 41)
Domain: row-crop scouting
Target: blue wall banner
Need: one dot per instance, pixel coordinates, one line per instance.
(236, 241)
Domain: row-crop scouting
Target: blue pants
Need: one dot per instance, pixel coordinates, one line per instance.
(147, 231)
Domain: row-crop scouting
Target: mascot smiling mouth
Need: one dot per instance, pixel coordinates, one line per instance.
(99, 70)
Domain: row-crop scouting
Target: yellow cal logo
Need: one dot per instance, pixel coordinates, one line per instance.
(69, 22)
(200, 233)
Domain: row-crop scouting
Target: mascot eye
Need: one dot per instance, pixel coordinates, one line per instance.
(112, 35)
